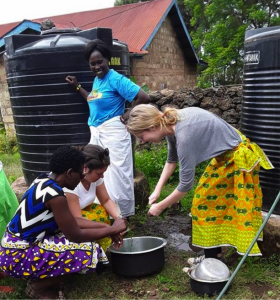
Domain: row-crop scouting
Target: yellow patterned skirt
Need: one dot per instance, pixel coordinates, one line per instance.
(226, 208)
(97, 213)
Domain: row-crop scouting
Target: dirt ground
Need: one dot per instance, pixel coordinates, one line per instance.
(176, 229)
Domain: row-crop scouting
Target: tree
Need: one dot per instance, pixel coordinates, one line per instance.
(218, 29)
(123, 2)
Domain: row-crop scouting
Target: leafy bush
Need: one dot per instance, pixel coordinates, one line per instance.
(151, 161)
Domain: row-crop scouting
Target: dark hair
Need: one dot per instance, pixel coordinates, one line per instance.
(99, 46)
(96, 157)
(65, 158)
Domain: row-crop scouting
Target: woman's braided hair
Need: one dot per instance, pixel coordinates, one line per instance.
(65, 158)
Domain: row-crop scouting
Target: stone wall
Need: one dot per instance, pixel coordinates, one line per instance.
(5, 105)
(223, 101)
(165, 65)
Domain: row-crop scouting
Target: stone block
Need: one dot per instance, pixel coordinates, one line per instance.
(224, 103)
(230, 116)
(141, 189)
(208, 102)
(271, 236)
(8, 119)
(19, 187)
(10, 129)
(9, 111)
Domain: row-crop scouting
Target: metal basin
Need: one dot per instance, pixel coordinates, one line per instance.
(212, 269)
(209, 277)
(138, 256)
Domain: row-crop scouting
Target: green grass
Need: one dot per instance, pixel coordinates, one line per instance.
(9, 155)
(258, 279)
(11, 166)
(151, 161)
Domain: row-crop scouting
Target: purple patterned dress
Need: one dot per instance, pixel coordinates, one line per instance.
(33, 247)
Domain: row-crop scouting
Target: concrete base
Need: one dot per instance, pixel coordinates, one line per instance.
(271, 235)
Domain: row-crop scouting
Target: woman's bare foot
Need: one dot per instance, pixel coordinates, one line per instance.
(47, 288)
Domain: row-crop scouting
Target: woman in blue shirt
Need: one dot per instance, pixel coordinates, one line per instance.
(106, 102)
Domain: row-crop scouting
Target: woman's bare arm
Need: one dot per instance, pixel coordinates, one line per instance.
(69, 226)
(106, 201)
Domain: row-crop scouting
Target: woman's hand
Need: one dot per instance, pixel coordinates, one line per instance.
(155, 209)
(154, 197)
(117, 241)
(119, 225)
(125, 116)
(72, 80)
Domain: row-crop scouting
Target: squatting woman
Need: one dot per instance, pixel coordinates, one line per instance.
(43, 241)
(90, 199)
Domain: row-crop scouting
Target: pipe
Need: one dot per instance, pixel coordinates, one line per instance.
(249, 249)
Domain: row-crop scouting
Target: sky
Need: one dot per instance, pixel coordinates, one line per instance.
(18, 10)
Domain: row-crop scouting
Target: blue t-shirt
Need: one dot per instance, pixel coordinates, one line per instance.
(108, 96)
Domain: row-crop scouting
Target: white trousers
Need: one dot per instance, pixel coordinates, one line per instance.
(118, 178)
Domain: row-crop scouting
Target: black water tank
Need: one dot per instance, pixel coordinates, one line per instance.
(260, 119)
(48, 113)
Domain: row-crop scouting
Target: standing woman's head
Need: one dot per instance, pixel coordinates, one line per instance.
(97, 162)
(67, 163)
(98, 55)
(148, 123)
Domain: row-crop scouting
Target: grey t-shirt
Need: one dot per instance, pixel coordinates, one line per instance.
(199, 135)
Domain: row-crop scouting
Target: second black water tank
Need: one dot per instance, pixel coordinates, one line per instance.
(48, 113)
(260, 119)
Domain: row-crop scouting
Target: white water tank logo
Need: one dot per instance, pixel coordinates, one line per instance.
(252, 57)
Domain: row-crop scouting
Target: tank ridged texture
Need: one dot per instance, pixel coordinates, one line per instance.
(260, 119)
(48, 112)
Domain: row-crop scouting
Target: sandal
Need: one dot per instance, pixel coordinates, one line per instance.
(62, 291)
(195, 260)
(188, 269)
(61, 295)
(30, 292)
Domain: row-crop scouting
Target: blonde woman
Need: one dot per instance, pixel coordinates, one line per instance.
(226, 209)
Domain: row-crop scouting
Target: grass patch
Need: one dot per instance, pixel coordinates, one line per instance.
(9, 155)
(11, 166)
(150, 160)
(170, 283)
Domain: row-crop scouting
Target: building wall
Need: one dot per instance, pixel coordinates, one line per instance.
(165, 65)
(5, 105)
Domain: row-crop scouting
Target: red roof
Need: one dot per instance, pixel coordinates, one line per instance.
(5, 28)
(133, 24)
